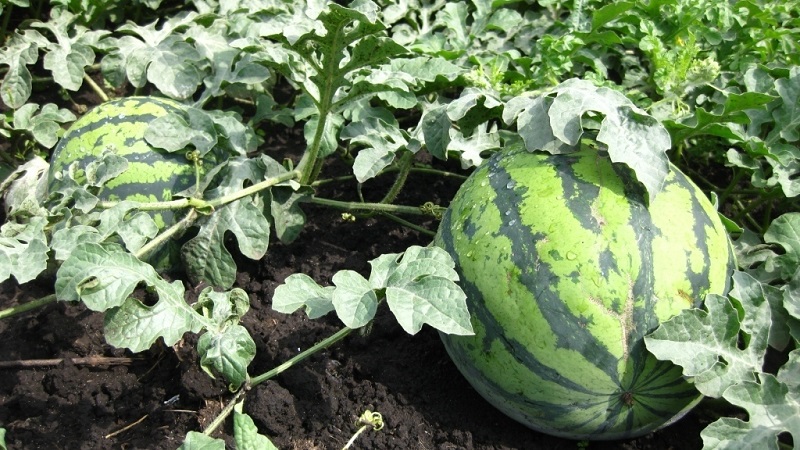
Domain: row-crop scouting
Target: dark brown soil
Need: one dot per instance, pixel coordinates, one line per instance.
(425, 402)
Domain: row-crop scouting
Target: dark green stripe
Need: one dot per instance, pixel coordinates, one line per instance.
(149, 157)
(76, 133)
(644, 316)
(495, 330)
(539, 278)
(579, 194)
(698, 281)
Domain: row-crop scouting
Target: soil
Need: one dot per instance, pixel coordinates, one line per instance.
(155, 400)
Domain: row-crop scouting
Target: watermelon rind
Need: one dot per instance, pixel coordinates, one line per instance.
(119, 126)
(566, 268)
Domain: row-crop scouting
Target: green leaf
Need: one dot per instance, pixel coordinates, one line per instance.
(161, 57)
(471, 148)
(785, 231)
(400, 268)
(610, 12)
(706, 343)
(235, 138)
(222, 308)
(300, 291)
(137, 326)
(24, 190)
(420, 288)
(16, 86)
(787, 114)
(3, 439)
(227, 352)
(436, 301)
(287, 216)
(70, 53)
(773, 408)
(435, 127)
(747, 287)
(246, 434)
(205, 255)
(199, 441)
(632, 136)
(226, 347)
(427, 69)
(639, 141)
(174, 132)
(23, 250)
(44, 126)
(454, 17)
(533, 121)
(102, 276)
(382, 141)
(354, 300)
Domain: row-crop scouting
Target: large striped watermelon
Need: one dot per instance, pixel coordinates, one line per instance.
(153, 174)
(565, 270)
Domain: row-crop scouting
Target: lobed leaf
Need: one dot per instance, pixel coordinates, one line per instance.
(354, 300)
(228, 352)
(772, 407)
(785, 231)
(102, 276)
(246, 434)
(631, 136)
(300, 291)
(23, 250)
(226, 347)
(196, 440)
(205, 255)
(706, 343)
(420, 288)
(137, 326)
(382, 141)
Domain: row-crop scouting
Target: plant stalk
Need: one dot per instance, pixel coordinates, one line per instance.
(250, 190)
(408, 224)
(28, 306)
(404, 167)
(181, 225)
(376, 207)
(159, 240)
(226, 411)
(327, 342)
(330, 73)
(97, 89)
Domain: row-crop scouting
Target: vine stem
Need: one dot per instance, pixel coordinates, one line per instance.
(95, 87)
(408, 224)
(321, 345)
(176, 228)
(213, 203)
(404, 167)
(377, 207)
(255, 381)
(28, 306)
(421, 170)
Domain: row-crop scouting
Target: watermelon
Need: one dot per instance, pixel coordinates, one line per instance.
(566, 268)
(152, 175)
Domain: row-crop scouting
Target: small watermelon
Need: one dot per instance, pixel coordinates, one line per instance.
(566, 269)
(119, 125)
